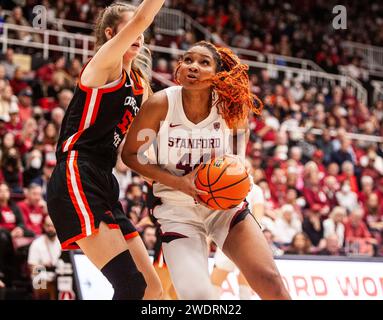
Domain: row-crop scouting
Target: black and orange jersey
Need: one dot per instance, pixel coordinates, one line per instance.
(97, 119)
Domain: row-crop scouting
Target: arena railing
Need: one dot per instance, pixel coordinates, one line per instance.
(314, 77)
(70, 44)
(171, 21)
(372, 55)
(365, 73)
(378, 90)
(277, 59)
(62, 23)
(67, 43)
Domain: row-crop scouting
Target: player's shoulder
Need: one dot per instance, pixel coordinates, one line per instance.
(158, 99)
(156, 105)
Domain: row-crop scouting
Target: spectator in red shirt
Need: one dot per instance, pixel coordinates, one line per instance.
(355, 226)
(267, 129)
(349, 175)
(18, 83)
(357, 236)
(11, 218)
(270, 205)
(318, 159)
(14, 125)
(34, 209)
(25, 104)
(278, 186)
(379, 189)
(374, 212)
(367, 184)
(28, 136)
(314, 194)
(330, 188)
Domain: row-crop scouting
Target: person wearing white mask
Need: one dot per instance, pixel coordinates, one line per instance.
(33, 169)
(346, 197)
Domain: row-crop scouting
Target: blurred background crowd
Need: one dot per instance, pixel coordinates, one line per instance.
(323, 187)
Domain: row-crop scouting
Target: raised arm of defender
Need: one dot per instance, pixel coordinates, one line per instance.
(106, 65)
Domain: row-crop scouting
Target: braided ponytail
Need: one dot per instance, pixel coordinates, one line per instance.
(235, 99)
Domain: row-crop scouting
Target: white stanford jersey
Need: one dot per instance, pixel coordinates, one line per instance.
(182, 144)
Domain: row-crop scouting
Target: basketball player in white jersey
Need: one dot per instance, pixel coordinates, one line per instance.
(188, 122)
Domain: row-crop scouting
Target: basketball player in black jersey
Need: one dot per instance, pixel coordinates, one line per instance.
(83, 193)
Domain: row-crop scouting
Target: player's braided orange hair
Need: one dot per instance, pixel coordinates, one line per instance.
(232, 86)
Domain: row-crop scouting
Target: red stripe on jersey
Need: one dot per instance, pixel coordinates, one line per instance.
(86, 108)
(96, 107)
(73, 197)
(131, 235)
(82, 194)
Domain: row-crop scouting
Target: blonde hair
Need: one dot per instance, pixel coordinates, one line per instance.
(337, 210)
(111, 17)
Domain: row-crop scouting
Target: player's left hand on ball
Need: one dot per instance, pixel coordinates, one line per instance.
(187, 185)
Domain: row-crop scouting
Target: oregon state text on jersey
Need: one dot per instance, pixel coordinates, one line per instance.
(97, 119)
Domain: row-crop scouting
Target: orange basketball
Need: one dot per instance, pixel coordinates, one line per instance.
(225, 179)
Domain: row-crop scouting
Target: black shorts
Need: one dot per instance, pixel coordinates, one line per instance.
(80, 195)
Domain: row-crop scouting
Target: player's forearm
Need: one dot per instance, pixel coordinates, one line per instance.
(142, 19)
(110, 54)
(147, 10)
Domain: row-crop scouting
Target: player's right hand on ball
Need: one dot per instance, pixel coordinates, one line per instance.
(187, 185)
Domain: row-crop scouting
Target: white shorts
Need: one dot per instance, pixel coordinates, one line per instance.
(221, 261)
(192, 221)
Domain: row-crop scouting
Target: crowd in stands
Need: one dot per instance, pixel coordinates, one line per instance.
(323, 192)
(298, 28)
